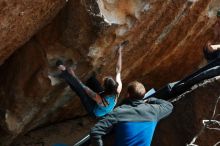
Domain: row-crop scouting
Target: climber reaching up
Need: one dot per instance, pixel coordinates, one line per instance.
(212, 49)
(98, 101)
(211, 52)
(217, 28)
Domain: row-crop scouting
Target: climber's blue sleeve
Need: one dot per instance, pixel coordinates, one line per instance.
(149, 93)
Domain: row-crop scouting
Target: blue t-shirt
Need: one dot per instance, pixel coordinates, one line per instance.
(100, 110)
(135, 133)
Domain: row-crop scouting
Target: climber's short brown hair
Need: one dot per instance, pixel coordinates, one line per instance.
(136, 90)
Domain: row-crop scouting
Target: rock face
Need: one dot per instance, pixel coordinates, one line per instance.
(186, 120)
(21, 19)
(165, 44)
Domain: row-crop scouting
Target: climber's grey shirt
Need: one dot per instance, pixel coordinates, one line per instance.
(134, 122)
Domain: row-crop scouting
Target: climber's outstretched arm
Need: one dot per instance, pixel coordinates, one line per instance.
(118, 70)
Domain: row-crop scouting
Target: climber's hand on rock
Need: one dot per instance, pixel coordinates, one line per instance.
(125, 43)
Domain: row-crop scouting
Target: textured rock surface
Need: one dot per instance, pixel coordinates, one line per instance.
(159, 44)
(20, 19)
(67, 132)
(26, 93)
(166, 39)
(186, 120)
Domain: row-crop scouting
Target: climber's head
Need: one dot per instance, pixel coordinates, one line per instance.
(110, 85)
(60, 65)
(136, 90)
